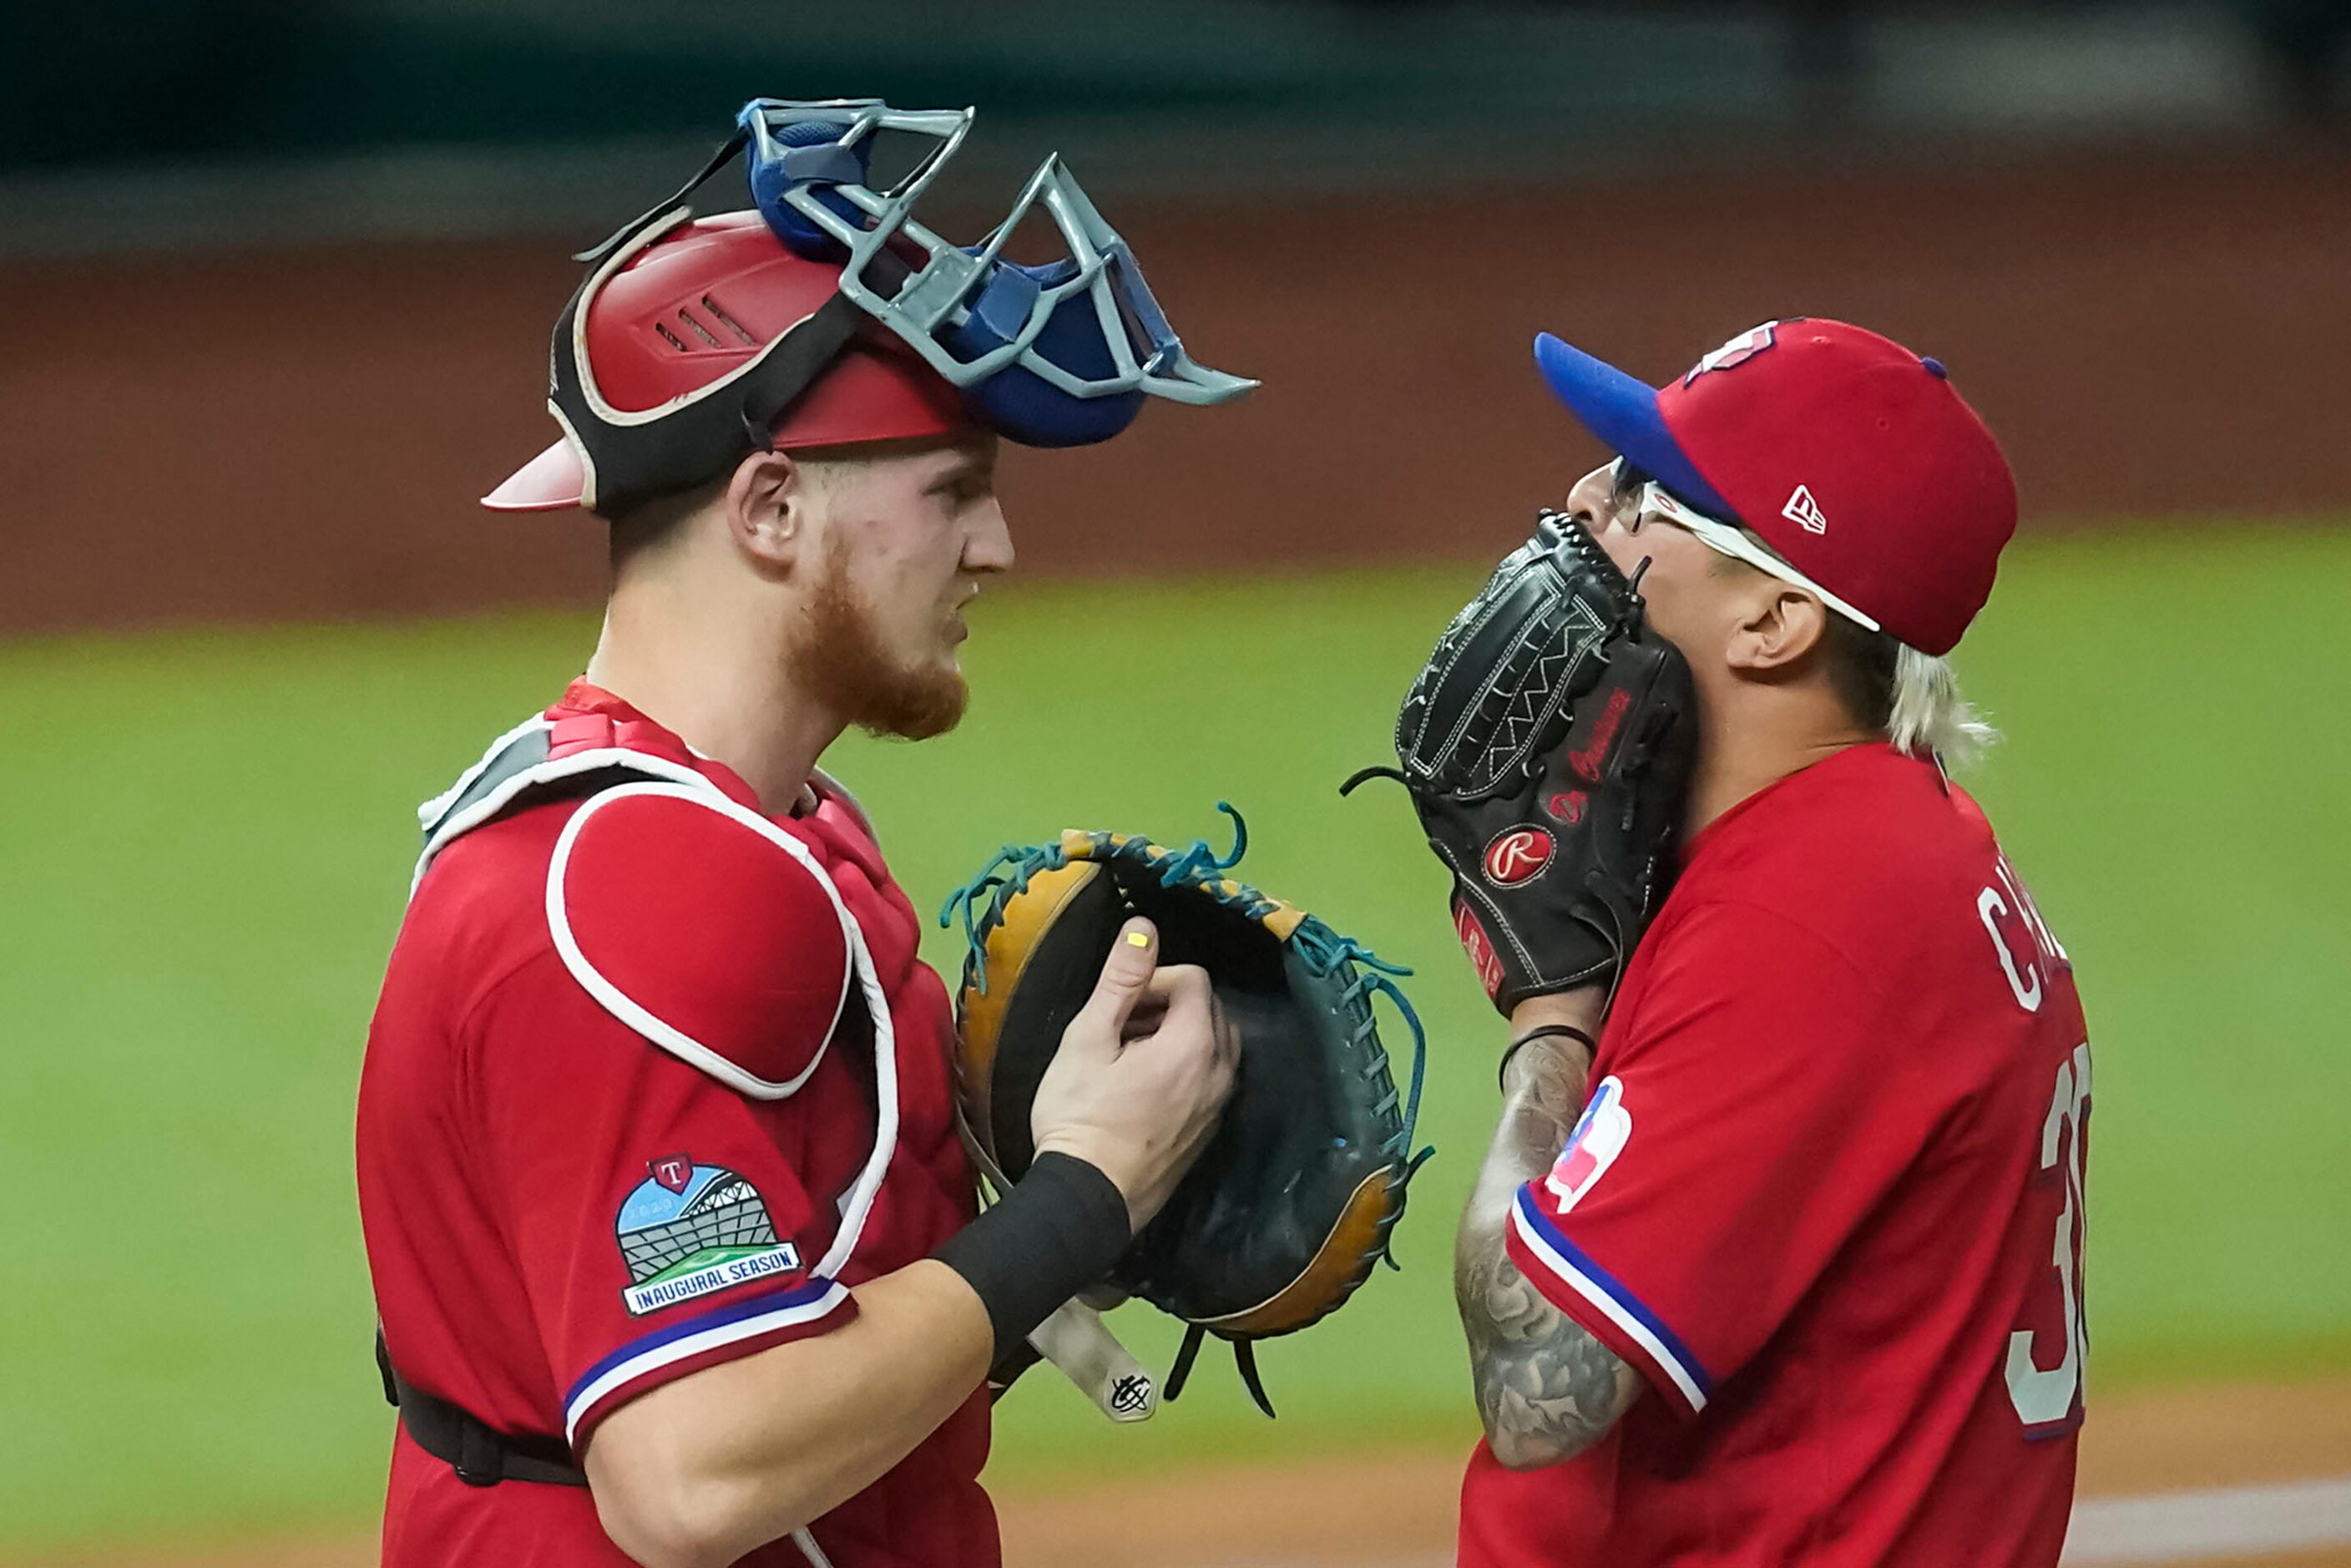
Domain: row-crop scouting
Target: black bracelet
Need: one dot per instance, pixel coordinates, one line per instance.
(1544, 1031)
(1058, 1231)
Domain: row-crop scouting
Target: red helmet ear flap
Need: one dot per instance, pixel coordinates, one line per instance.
(632, 456)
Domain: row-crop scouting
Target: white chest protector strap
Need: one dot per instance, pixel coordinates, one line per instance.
(519, 770)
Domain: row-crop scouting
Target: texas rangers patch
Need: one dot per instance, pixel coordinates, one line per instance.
(1736, 353)
(689, 1230)
(1599, 1135)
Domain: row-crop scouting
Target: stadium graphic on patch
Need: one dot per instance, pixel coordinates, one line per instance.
(690, 1229)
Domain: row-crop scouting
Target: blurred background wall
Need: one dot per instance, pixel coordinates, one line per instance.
(278, 274)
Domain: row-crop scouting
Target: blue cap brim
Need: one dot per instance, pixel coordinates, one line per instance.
(1622, 412)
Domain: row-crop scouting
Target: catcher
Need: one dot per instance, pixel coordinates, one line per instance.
(1776, 1255)
(671, 1228)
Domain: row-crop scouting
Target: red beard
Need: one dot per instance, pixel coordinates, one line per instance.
(842, 661)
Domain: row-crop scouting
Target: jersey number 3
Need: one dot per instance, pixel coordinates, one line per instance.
(2046, 1398)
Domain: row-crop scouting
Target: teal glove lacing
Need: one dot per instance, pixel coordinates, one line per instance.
(1321, 949)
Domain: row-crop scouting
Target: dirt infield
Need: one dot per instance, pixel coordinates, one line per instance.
(1399, 1510)
(239, 436)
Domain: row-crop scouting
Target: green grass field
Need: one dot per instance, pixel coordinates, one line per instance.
(207, 837)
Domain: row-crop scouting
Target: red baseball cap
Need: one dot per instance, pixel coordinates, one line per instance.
(700, 304)
(1852, 457)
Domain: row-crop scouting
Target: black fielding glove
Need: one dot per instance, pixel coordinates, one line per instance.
(1547, 747)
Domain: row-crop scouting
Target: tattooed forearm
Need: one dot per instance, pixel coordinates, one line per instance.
(1546, 1389)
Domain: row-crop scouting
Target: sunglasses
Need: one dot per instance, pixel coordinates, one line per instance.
(1651, 499)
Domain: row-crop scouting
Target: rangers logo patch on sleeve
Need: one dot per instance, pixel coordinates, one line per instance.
(1599, 1135)
(689, 1230)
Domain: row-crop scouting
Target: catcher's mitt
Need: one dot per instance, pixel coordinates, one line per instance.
(1294, 1197)
(1547, 747)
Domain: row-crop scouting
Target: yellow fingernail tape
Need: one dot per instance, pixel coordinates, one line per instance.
(1137, 939)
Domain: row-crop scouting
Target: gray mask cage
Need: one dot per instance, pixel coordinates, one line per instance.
(1023, 342)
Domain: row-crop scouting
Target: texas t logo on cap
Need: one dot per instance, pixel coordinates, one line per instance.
(1736, 352)
(1819, 421)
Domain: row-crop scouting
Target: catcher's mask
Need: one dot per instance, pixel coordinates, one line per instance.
(661, 379)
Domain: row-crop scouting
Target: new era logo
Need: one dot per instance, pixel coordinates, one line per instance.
(1806, 512)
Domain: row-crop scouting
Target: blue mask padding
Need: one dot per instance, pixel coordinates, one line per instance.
(1001, 309)
(1136, 295)
(813, 157)
(1016, 402)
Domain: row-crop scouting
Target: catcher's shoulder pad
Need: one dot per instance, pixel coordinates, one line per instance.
(709, 930)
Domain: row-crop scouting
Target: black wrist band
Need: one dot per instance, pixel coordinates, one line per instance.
(1544, 1031)
(1058, 1231)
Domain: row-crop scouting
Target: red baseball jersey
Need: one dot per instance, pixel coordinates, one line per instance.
(1826, 1197)
(654, 1079)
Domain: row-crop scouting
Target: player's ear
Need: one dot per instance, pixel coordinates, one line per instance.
(767, 505)
(1777, 627)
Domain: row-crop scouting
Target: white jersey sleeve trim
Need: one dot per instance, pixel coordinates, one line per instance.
(801, 1307)
(1565, 1262)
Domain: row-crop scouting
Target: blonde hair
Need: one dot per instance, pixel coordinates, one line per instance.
(1913, 698)
(1929, 716)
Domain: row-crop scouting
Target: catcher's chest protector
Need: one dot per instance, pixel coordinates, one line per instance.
(870, 1131)
(907, 1181)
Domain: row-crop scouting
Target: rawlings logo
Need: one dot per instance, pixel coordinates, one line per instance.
(1518, 856)
(1588, 759)
(1481, 951)
(1734, 353)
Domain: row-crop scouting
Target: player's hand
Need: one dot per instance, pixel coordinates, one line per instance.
(1142, 1076)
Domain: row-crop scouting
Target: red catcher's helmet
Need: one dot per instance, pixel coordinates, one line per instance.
(694, 309)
